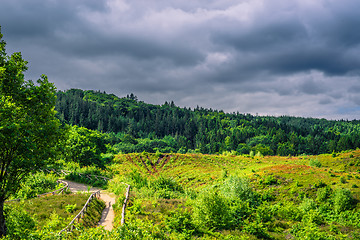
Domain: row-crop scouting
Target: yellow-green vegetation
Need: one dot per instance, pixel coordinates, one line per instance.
(49, 214)
(196, 196)
(186, 196)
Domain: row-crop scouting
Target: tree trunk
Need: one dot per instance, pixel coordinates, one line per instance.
(3, 228)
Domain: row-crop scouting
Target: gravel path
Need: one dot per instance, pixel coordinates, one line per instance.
(107, 216)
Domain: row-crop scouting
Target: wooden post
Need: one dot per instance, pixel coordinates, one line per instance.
(124, 205)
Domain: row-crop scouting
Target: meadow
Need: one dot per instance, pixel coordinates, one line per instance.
(196, 196)
(199, 196)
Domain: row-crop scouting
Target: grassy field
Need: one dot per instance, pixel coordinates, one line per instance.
(314, 197)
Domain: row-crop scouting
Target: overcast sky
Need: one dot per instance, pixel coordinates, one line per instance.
(278, 57)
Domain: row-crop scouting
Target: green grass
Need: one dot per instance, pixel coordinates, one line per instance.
(57, 207)
(304, 197)
(284, 182)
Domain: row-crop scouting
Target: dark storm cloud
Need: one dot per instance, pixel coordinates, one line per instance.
(271, 57)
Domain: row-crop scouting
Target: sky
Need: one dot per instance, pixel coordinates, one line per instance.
(278, 57)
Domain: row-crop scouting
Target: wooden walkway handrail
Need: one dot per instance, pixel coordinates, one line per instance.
(81, 214)
(65, 172)
(61, 190)
(125, 203)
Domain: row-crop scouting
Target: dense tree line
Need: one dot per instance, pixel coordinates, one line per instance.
(135, 126)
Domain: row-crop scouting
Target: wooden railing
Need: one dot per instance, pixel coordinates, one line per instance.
(81, 214)
(65, 172)
(125, 204)
(61, 190)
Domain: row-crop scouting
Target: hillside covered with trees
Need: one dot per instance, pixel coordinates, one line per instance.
(134, 126)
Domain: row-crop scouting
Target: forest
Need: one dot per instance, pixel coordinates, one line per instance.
(194, 174)
(134, 126)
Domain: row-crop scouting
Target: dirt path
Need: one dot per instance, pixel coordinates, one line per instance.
(107, 216)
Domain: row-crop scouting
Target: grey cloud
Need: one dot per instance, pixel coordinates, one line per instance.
(325, 101)
(312, 87)
(272, 57)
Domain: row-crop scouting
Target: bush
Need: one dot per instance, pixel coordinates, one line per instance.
(307, 205)
(211, 211)
(237, 188)
(180, 221)
(290, 211)
(70, 207)
(167, 184)
(37, 184)
(269, 180)
(343, 200)
(323, 194)
(136, 180)
(19, 222)
(315, 163)
(257, 229)
(342, 179)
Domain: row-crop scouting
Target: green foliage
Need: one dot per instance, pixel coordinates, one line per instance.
(211, 211)
(19, 222)
(55, 222)
(29, 130)
(343, 200)
(136, 180)
(165, 187)
(166, 183)
(342, 179)
(315, 163)
(180, 221)
(70, 208)
(290, 211)
(87, 175)
(311, 231)
(85, 147)
(36, 184)
(269, 180)
(235, 187)
(168, 128)
(43, 218)
(323, 194)
(107, 157)
(307, 204)
(257, 229)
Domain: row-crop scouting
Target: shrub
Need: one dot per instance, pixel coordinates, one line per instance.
(211, 211)
(240, 211)
(180, 221)
(313, 216)
(343, 200)
(70, 207)
(37, 184)
(323, 194)
(307, 204)
(167, 184)
(165, 188)
(315, 163)
(19, 222)
(290, 211)
(342, 180)
(257, 229)
(107, 157)
(136, 180)
(237, 188)
(269, 180)
(320, 184)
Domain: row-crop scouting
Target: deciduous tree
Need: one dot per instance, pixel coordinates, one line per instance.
(28, 127)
